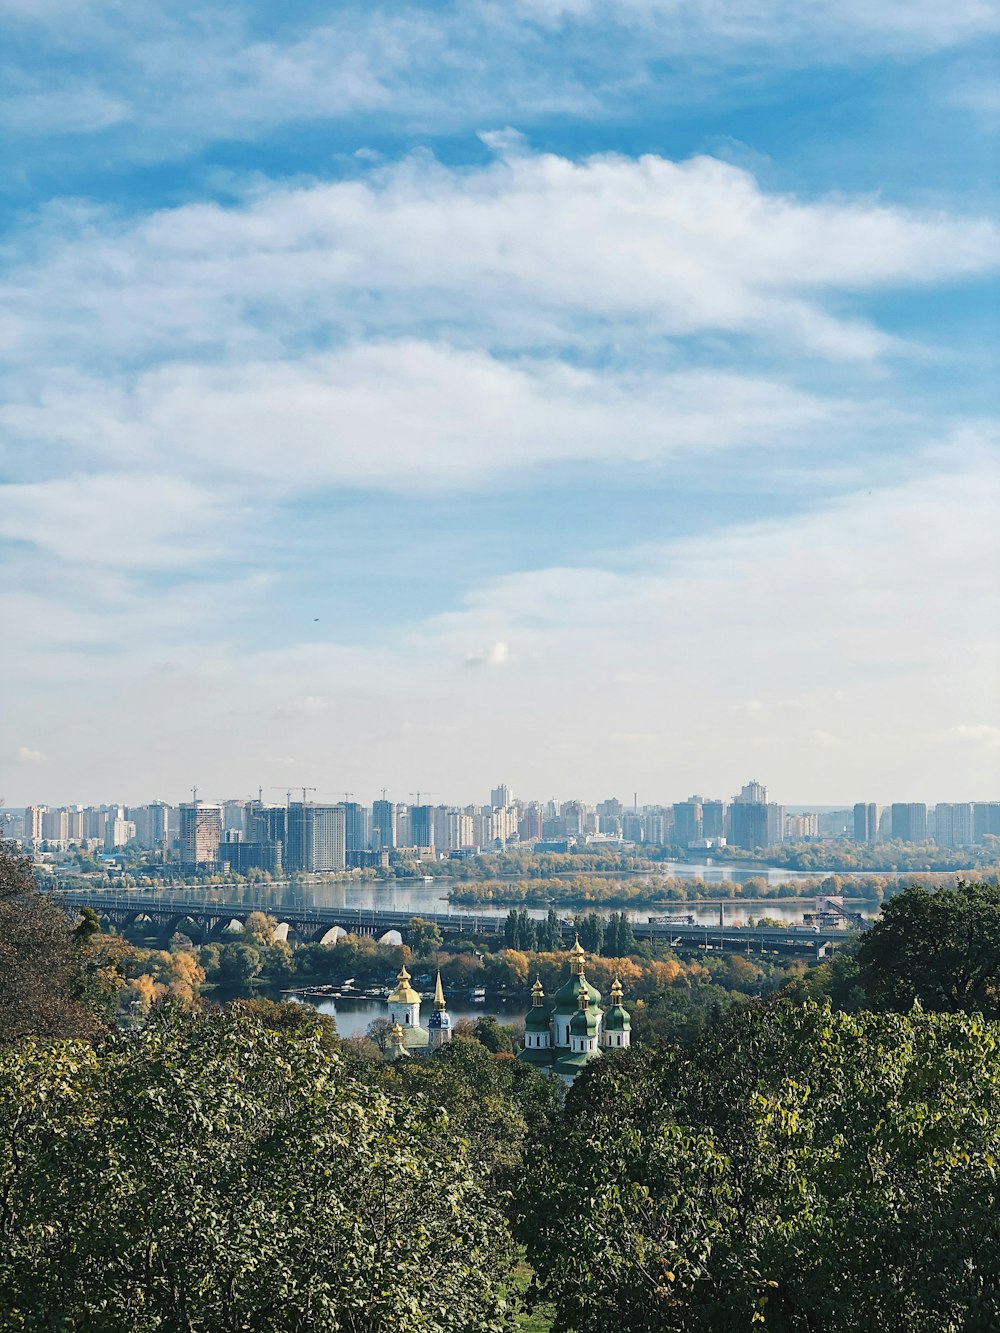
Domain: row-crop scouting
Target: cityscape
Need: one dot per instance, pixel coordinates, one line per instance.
(312, 836)
(500, 738)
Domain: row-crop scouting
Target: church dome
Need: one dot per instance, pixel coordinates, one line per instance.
(583, 1023)
(404, 992)
(568, 995)
(439, 1021)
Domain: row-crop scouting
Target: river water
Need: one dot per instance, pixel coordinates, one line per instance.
(354, 1016)
(421, 898)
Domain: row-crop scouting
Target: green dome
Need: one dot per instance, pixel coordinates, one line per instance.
(567, 997)
(616, 1019)
(584, 1023)
(537, 1019)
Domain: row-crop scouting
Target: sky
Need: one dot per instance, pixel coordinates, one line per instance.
(593, 397)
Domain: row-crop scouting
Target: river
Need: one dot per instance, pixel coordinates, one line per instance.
(354, 1016)
(423, 898)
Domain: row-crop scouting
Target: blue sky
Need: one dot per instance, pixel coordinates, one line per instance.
(592, 396)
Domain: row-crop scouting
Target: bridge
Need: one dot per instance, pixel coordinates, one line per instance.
(324, 925)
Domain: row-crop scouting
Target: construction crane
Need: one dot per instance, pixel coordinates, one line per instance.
(418, 794)
(347, 795)
(288, 792)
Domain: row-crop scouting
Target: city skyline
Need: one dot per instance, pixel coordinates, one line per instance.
(576, 391)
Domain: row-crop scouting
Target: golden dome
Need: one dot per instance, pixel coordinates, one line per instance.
(404, 992)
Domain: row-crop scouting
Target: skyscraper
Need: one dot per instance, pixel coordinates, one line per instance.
(422, 825)
(909, 821)
(384, 824)
(687, 821)
(317, 838)
(501, 796)
(200, 833)
(713, 819)
(356, 825)
(954, 824)
(748, 817)
(865, 821)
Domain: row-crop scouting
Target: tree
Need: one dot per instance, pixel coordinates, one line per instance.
(206, 1172)
(940, 948)
(291, 1018)
(549, 933)
(424, 937)
(797, 1169)
(40, 961)
(591, 929)
(519, 931)
(619, 937)
(494, 1036)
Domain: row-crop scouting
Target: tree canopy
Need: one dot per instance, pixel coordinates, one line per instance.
(939, 948)
(207, 1172)
(797, 1169)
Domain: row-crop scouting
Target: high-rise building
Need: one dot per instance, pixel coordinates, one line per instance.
(32, 823)
(747, 824)
(422, 825)
(866, 815)
(95, 820)
(985, 820)
(775, 823)
(633, 827)
(747, 821)
(501, 796)
(713, 819)
(529, 828)
(55, 825)
(234, 816)
(383, 824)
(800, 827)
(460, 831)
(909, 821)
(118, 831)
(355, 825)
(200, 833)
(317, 838)
(688, 822)
(754, 792)
(954, 824)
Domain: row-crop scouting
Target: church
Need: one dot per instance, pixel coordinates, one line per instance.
(404, 1010)
(561, 1040)
(577, 1029)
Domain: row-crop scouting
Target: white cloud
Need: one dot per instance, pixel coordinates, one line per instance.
(531, 251)
(979, 733)
(496, 655)
(28, 756)
(855, 598)
(184, 73)
(410, 415)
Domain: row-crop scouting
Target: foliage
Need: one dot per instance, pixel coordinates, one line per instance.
(423, 937)
(42, 981)
(797, 1169)
(941, 949)
(206, 1172)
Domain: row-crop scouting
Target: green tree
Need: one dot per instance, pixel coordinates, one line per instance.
(798, 1169)
(591, 929)
(940, 948)
(210, 1174)
(423, 937)
(40, 961)
(549, 933)
(619, 937)
(494, 1036)
(519, 931)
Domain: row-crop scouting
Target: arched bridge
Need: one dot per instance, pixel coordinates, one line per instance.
(325, 924)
